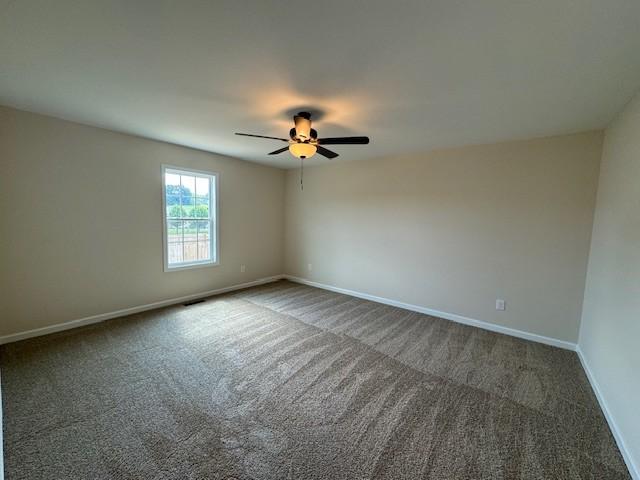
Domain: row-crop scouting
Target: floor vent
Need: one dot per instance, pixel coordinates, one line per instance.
(193, 302)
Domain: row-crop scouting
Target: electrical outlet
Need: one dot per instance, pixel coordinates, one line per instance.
(243, 268)
(309, 266)
(501, 304)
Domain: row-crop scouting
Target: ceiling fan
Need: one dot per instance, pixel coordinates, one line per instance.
(304, 142)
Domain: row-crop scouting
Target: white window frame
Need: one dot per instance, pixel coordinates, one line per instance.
(214, 238)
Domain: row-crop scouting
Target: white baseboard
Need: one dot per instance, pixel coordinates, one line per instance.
(634, 470)
(436, 313)
(128, 311)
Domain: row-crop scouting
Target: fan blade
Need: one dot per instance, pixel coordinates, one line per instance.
(344, 141)
(326, 152)
(280, 150)
(261, 136)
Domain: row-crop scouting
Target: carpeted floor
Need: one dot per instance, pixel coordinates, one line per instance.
(285, 381)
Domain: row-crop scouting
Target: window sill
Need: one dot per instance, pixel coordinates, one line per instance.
(189, 266)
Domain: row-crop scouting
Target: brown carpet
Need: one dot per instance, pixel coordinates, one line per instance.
(286, 381)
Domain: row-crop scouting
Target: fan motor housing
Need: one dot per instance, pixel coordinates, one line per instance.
(293, 135)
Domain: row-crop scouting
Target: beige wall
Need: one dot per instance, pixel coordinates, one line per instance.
(81, 228)
(455, 230)
(610, 329)
(449, 230)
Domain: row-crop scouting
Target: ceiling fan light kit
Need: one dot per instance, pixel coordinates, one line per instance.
(304, 142)
(302, 150)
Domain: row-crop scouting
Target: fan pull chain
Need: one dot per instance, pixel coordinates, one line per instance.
(301, 174)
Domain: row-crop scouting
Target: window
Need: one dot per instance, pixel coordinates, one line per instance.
(190, 223)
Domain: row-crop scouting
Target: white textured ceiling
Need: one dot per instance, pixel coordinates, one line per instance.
(413, 75)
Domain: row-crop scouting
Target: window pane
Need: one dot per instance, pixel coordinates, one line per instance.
(200, 211)
(202, 187)
(203, 251)
(203, 231)
(171, 179)
(176, 211)
(174, 252)
(172, 200)
(187, 189)
(174, 231)
(188, 184)
(190, 228)
(190, 251)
